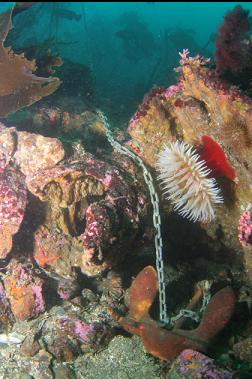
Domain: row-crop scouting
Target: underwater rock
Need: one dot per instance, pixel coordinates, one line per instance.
(191, 364)
(243, 350)
(30, 346)
(35, 152)
(63, 349)
(95, 209)
(67, 336)
(245, 238)
(19, 86)
(53, 115)
(89, 298)
(89, 335)
(124, 358)
(63, 372)
(203, 106)
(13, 201)
(28, 152)
(67, 288)
(112, 288)
(63, 185)
(53, 252)
(7, 146)
(24, 290)
(42, 365)
(6, 315)
(86, 126)
(245, 227)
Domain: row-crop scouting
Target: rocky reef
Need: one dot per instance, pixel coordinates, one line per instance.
(78, 225)
(78, 283)
(203, 105)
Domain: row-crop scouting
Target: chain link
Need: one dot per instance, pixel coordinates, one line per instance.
(156, 215)
(196, 316)
(185, 313)
(206, 285)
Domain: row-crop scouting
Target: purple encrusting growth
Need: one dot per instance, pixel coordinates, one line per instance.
(173, 90)
(26, 278)
(192, 364)
(13, 199)
(7, 146)
(2, 292)
(99, 229)
(120, 207)
(108, 220)
(245, 227)
(66, 288)
(161, 94)
(39, 300)
(83, 330)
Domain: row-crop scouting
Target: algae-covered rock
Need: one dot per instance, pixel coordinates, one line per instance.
(202, 105)
(124, 358)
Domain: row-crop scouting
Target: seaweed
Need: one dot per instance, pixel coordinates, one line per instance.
(19, 86)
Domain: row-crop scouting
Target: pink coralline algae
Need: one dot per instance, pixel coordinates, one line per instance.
(88, 334)
(13, 199)
(245, 227)
(83, 330)
(35, 152)
(98, 224)
(158, 93)
(192, 364)
(39, 306)
(67, 288)
(24, 291)
(7, 146)
(145, 106)
(172, 90)
(115, 213)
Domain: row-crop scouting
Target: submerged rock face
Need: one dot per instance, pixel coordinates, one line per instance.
(13, 201)
(24, 291)
(243, 350)
(35, 152)
(203, 108)
(192, 364)
(21, 153)
(90, 212)
(97, 210)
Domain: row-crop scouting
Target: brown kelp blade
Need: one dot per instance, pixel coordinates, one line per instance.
(142, 293)
(19, 87)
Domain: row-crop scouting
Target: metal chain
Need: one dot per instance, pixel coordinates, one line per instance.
(206, 285)
(185, 313)
(158, 237)
(196, 316)
(156, 215)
